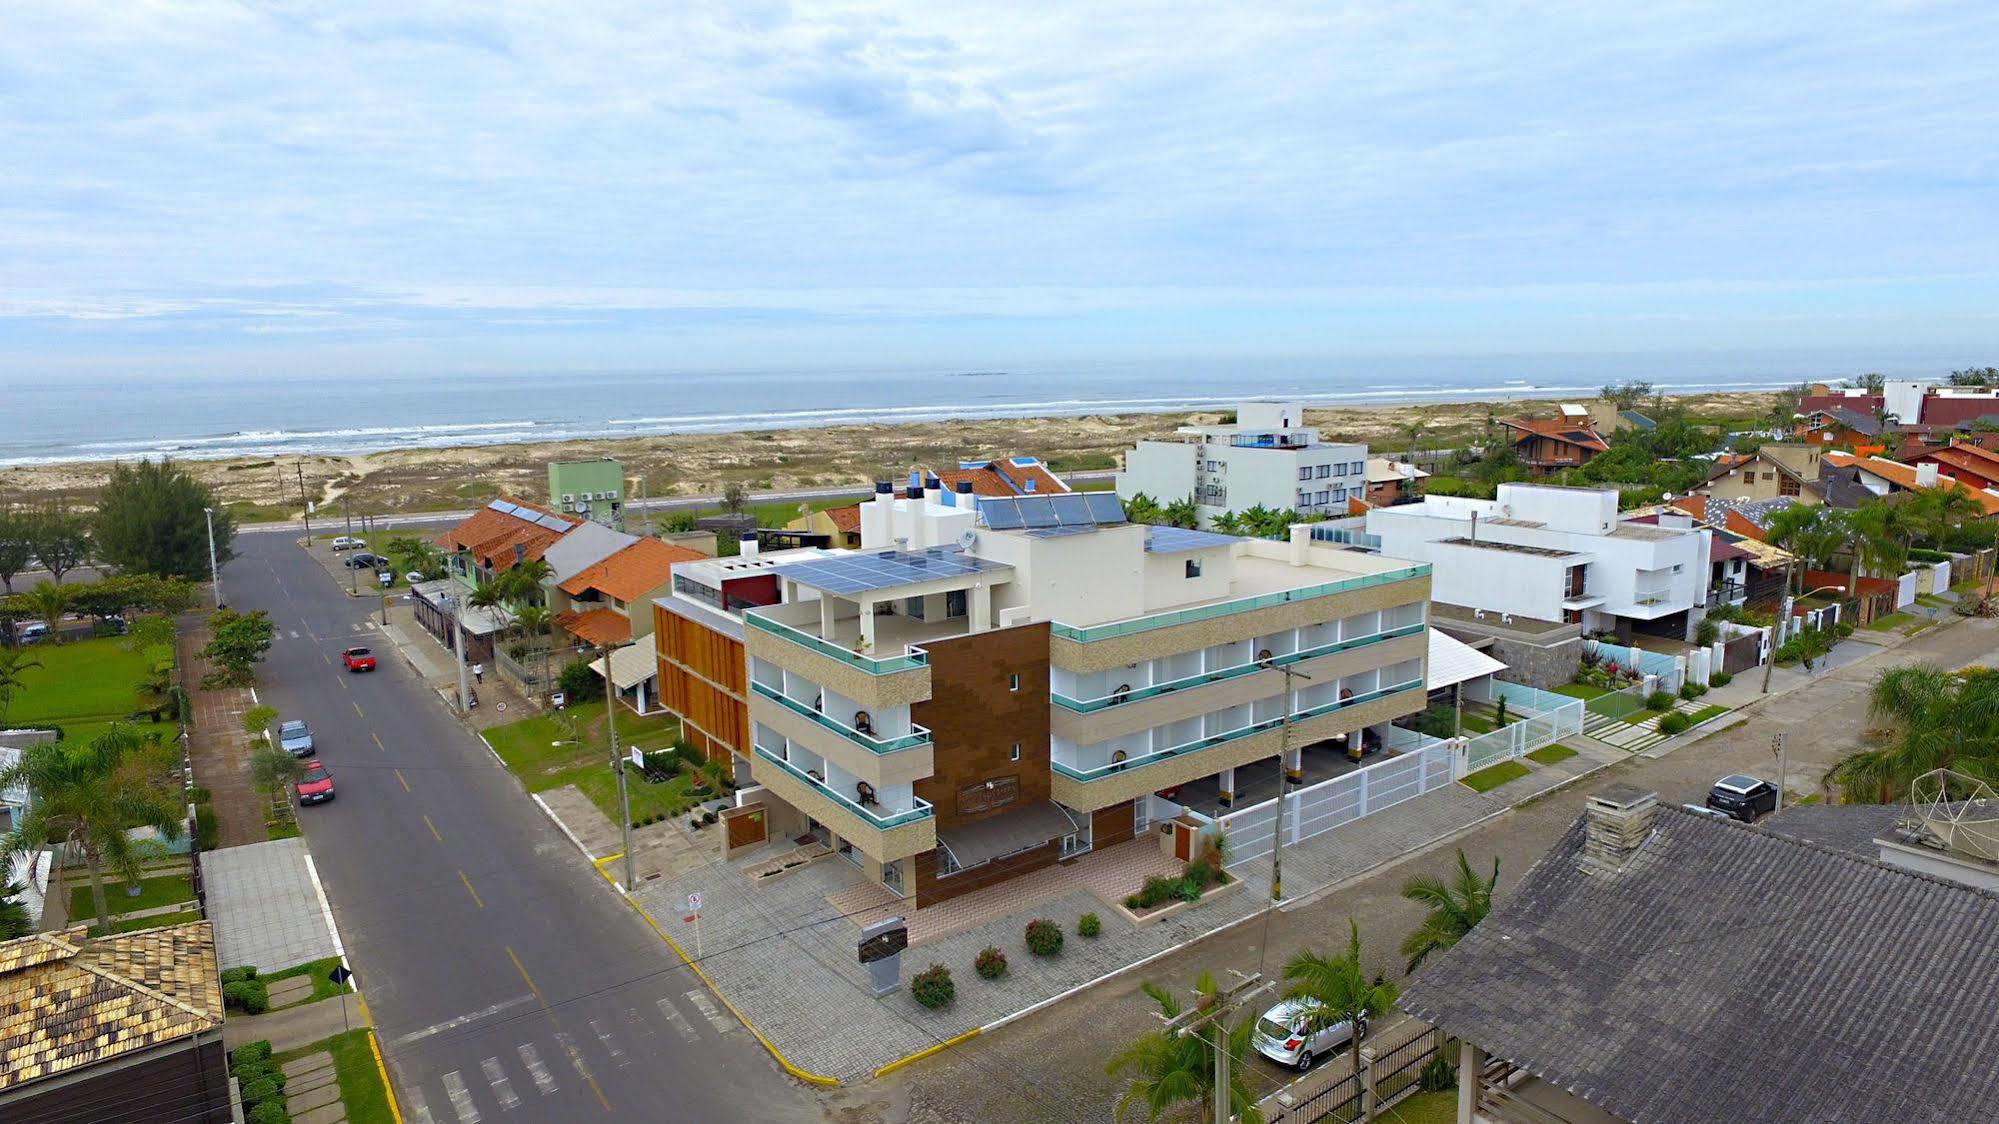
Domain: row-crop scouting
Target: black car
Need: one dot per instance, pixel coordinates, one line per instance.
(365, 561)
(1743, 797)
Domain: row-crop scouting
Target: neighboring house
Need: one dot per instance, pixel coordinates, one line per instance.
(608, 604)
(119, 1029)
(1548, 445)
(593, 489)
(1554, 554)
(1880, 476)
(1005, 476)
(1606, 418)
(1769, 472)
(1267, 457)
(1741, 566)
(1391, 482)
(1970, 465)
(838, 527)
(1661, 965)
(490, 542)
(1913, 405)
(1837, 427)
(990, 687)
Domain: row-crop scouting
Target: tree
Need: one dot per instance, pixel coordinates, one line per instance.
(1456, 907)
(1412, 432)
(16, 547)
(1885, 418)
(1873, 382)
(735, 497)
(257, 721)
(59, 538)
(47, 603)
(272, 770)
(1168, 1070)
(14, 920)
(1338, 989)
(87, 796)
(1627, 395)
(13, 663)
(521, 584)
(579, 683)
(1931, 719)
(1141, 508)
(534, 621)
(151, 520)
(1228, 523)
(416, 556)
(237, 642)
(1811, 533)
(1975, 376)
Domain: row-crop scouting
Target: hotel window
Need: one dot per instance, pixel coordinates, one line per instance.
(1193, 567)
(1339, 495)
(1304, 499)
(1305, 473)
(1325, 470)
(1323, 497)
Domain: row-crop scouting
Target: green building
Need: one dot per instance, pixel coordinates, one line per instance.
(592, 489)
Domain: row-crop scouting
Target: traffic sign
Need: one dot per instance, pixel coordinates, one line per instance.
(694, 902)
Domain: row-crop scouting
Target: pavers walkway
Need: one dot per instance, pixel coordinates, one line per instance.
(312, 1090)
(1636, 737)
(266, 910)
(218, 748)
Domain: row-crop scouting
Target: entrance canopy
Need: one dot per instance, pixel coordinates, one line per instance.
(985, 840)
(1452, 661)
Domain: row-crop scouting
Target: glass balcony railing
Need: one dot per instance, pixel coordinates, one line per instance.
(919, 737)
(1199, 744)
(1112, 629)
(872, 816)
(1090, 706)
(915, 658)
(1657, 596)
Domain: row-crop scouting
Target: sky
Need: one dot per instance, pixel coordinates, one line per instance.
(400, 187)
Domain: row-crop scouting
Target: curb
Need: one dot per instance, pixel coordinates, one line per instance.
(340, 950)
(550, 812)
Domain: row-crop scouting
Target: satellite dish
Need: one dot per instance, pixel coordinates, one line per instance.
(968, 540)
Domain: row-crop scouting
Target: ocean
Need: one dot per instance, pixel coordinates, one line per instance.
(72, 419)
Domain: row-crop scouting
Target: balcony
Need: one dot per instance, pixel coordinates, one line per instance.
(881, 820)
(1197, 745)
(1659, 595)
(1089, 706)
(909, 660)
(918, 738)
(1134, 625)
(884, 835)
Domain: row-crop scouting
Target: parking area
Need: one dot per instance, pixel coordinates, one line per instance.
(1257, 781)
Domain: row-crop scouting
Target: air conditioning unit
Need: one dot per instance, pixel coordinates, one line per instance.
(583, 507)
(568, 497)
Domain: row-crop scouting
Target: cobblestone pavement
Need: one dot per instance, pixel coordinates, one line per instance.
(1018, 1073)
(265, 909)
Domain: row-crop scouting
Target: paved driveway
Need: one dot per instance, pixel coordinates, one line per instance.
(266, 909)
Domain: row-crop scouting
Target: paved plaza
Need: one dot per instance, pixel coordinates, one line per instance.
(266, 911)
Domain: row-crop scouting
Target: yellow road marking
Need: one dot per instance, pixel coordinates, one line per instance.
(470, 890)
(406, 788)
(378, 741)
(357, 707)
(519, 967)
(431, 826)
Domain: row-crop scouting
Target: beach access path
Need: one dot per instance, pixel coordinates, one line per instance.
(501, 974)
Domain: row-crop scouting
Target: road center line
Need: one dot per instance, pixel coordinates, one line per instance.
(470, 890)
(378, 741)
(406, 786)
(432, 827)
(356, 706)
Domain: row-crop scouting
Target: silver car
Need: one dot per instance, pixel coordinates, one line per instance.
(294, 738)
(1294, 1034)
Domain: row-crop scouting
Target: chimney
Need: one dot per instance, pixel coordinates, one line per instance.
(1926, 475)
(520, 553)
(747, 545)
(933, 490)
(962, 495)
(1618, 821)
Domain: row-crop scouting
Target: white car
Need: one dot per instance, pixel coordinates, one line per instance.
(348, 542)
(1286, 1034)
(32, 632)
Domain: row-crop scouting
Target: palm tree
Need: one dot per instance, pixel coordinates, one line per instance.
(1228, 523)
(522, 583)
(88, 796)
(1181, 513)
(1168, 1070)
(533, 620)
(1811, 533)
(1337, 988)
(14, 920)
(1141, 508)
(13, 661)
(1456, 907)
(49, 602)
(1414, 432)
(1932, 719)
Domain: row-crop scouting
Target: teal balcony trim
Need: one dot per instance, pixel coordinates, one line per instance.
(1114, 629)
(922, 811)
(886, 666)
(1199, 744)
(875, 745)
(1090, 706)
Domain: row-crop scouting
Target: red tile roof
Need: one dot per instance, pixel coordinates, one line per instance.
(1904, 476)
(1695, 506)
(1558, 429)
(598, 626)
(1858, 403)
(631, 573)
(1956, 411)
(847, 519)
(1003, 478)
(490, 536)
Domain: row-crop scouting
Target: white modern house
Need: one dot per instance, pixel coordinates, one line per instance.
(1268, 456)
(1552, 553)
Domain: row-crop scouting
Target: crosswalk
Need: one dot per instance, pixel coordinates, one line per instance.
(575, 1055)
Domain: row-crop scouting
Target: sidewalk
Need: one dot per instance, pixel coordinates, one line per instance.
(267, 910)
(294, 1027)
(218, 749)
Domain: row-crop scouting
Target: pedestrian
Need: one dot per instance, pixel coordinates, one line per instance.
(478, 673)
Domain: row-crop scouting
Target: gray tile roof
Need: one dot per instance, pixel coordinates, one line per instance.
(1852, 828)
(1728, 973)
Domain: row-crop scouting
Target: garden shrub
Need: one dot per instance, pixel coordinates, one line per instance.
(1438, 1075)
(1188, 890)
(242, 972)
(207, 831)
(1044, 937)
(1154, 891)
(269, 1112)
(579, 683)
(1659, 700)
(1692, 690)
(708, 816)
(262, 1089)
(932, 987)
(991, 963)
(247, 996)
(1719, 679)
(250, 1051)
(199, 795)
(1675, 723)
(1088, 925)
(1200, 873)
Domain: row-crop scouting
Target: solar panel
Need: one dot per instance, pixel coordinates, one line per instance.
(1036, 511)
(503, 507)
(1001, 514)
(1058, 532)
(552, 522)
(1071, 511)
(860, 573)
(1104, 507)
(1179, 540)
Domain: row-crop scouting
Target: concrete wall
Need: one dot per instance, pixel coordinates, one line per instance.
(1543, 666)
(1163, 470)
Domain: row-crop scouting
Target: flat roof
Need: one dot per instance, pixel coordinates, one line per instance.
(1648, 533)
(1511, 547)
(867, 571)
(1180, 540)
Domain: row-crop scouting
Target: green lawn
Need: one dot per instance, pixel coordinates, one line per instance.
(529, 750)
(1423, 1108)
(361, 1089)
(153, 892)
(1581, 690)
(322, 988)
(81, 732)
(1492, 776)
(1474, 724)
(1549, 754)
(1891, 621)
(134, 924)
(1707, 712)
(97, 678)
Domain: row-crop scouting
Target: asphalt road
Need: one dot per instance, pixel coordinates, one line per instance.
(506, 982)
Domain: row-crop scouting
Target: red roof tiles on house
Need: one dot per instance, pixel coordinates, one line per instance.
(598, 626)
(631, 573)
(490, 536)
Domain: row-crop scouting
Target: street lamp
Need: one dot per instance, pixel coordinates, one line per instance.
(214, 571)
(458, 647)
(1283, 776)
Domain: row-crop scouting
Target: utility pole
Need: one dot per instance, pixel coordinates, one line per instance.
(353, 571)
(1214, 1018)
(214, 571)
(1780, 746)
(458, 649)
(304, 505)
(645, 516)
(1283, 780)
(618, 762)
(1777, 628)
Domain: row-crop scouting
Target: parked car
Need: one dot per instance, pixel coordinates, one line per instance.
(294, 738)
(358, 659)
(348, 542)
(414, 577)
(1291, 1034)
(1743, 797)
(32, 632)
(366, 561)
(316, 786)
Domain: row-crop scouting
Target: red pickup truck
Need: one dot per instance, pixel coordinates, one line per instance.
(358, 659)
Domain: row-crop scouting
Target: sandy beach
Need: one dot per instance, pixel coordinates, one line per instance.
(763, 460)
